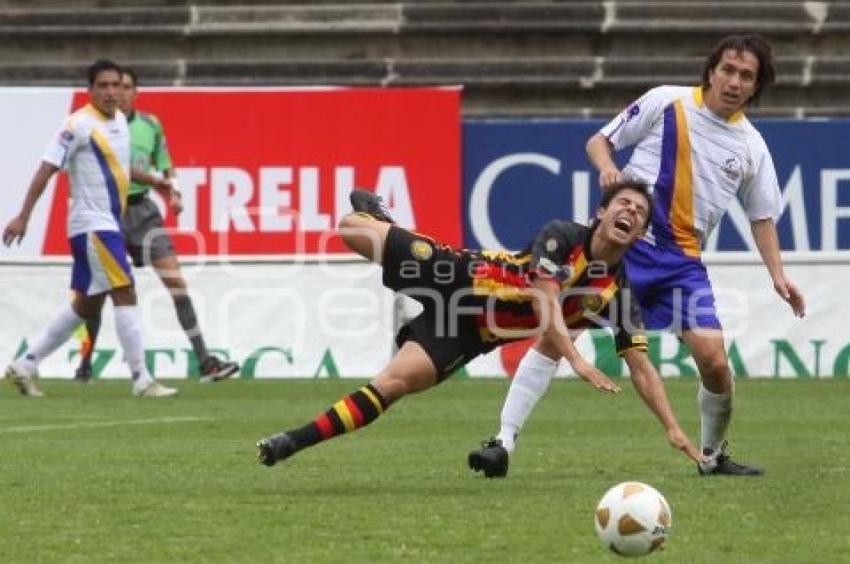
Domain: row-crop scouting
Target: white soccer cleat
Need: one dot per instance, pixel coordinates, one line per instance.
(23, 379)
(155, 390)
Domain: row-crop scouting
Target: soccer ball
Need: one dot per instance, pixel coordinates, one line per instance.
(633, 519)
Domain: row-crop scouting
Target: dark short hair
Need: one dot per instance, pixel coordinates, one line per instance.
(99, 66)
(132, 74)
(640, 187)
(751, 43)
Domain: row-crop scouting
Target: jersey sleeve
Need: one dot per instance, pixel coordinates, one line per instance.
(629, 331)
(636, 121)
(64, 144)
(759, 192)
(550, 250)
(161, 158)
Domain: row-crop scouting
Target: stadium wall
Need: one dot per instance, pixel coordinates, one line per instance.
(275, 289)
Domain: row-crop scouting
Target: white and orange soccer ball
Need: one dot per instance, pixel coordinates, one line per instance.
(633, 519)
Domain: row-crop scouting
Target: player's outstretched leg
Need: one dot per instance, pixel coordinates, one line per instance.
(410, 370)
(350, 413)
(365, 229)
(23, 372)
(491, 458)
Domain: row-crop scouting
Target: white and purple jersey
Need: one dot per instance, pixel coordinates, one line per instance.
(95, 150)
(695, 162)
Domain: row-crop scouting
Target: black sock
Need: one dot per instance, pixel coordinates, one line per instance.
(348, 414)
(189, 322)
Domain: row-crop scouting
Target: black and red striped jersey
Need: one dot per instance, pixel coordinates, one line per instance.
(592, 293)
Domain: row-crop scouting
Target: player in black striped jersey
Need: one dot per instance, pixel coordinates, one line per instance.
(474, 301)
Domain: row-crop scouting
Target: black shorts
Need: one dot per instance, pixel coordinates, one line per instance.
(145, 234)
(437, 276)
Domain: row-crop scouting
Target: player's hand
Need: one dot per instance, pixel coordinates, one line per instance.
(176, 201)
(609, 177)
(679, 440)
(15, 230)
(161, 184)
(791, 294)
(594, 377)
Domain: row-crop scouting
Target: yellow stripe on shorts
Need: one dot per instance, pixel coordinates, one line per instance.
(115, 275)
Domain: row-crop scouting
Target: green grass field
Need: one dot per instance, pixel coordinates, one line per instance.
(90, 474)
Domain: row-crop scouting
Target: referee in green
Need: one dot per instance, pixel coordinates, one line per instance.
(148, 243)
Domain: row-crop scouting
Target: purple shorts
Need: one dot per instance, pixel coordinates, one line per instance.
(673, 289)
(100, 263)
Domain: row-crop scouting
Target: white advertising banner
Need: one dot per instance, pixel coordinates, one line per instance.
(35, 116)
(336, 320)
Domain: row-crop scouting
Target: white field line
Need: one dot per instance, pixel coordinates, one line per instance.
(98, 424)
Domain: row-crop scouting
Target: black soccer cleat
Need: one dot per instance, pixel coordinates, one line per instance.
(722, 464)
(83, 373)
(277, 447)
(370, 204)
(214, 369)
(491, 458)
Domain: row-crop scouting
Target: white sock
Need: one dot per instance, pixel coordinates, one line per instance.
(716, 412)
(530, 382)
(130, 334)
(57, 332)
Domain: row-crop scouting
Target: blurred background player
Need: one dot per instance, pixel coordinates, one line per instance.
(697, 149)
(147, 239)
(94, 146)
(489, 299)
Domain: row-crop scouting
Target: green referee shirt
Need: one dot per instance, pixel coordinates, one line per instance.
(148, 149)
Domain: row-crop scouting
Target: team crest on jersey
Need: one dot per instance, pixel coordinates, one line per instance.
(592, 302)
(65, 138)
(421, 250)
(732, 168)
(632, 112)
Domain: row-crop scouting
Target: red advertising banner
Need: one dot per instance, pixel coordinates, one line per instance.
(268, 172)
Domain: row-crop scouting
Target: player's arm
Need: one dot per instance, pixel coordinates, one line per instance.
(556, 335)
(549, 253)
(601, 155)
(628, 128)
(16, 229)
(767, 241)
(649, 386)
(156, 181)
(761, 198)
(162, 162)
(163, 184)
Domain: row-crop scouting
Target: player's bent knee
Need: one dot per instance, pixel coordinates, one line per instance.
(717, 376)
(88, 307)
(176, 285)
(394, 385)
(352, 221)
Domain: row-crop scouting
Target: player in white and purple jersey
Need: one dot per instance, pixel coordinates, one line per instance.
(697, 150)
(94, 146)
